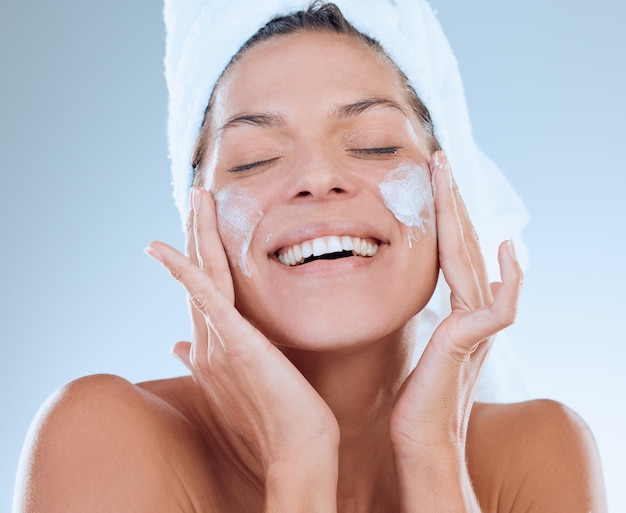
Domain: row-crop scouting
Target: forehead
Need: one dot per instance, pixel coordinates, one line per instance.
(314, 69)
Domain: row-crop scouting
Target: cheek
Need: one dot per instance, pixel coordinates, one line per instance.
(407, 193)
(238, 214)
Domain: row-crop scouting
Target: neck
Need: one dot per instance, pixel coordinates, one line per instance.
(360, 386)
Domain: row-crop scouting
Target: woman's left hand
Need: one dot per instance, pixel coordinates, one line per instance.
(430, 417)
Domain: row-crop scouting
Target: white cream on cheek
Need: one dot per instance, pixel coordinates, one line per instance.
(238, 214)
(407, 193)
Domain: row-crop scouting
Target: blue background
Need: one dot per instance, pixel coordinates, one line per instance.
(85, 186)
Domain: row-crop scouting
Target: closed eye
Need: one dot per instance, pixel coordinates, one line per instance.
(392, 150)
(252, 165)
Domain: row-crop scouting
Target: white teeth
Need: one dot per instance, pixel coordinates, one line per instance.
(319, 247)
(346, 243)
(356, 245)
(296, 254)
(334, 245)
(307, 249)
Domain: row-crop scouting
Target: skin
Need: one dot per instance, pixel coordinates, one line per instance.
(301, 396)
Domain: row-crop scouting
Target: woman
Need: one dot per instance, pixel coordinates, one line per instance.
(321, 213)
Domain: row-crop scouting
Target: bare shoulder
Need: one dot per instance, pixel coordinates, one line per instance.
(534, 456)
(101, 443)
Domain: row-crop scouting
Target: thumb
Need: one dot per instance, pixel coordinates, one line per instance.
(182, 351)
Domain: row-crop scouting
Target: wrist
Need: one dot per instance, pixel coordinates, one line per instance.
(437, 480)
(447, 450)
(306, 483)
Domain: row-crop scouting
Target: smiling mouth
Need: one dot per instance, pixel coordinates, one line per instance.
(327, 248)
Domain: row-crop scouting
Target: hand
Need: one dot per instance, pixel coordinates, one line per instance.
(255, 393)
(429, 419)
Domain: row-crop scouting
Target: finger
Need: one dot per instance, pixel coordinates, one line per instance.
(232, 330)
(506, 296)
(454, 251)
(472, 243)
(182, 351)
(201, 335)
(190, 239)
(486, 322)
(209, 247)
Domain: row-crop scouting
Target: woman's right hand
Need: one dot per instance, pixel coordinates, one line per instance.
(255, 393)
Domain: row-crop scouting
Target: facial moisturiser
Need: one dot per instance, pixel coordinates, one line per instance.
(238, 215)
(407, 193)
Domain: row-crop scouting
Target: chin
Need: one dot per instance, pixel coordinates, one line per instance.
(340, 323)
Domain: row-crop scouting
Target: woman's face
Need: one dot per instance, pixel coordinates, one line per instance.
(315, 149)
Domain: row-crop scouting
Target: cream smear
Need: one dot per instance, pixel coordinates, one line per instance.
(238, 215)
(407, 193)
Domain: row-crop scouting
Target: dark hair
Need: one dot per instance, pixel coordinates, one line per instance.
(319, 17)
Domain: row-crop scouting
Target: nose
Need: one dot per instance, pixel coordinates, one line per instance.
(318, 175)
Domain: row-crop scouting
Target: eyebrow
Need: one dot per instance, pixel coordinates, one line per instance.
(254, 119)
(354, 109)
(349, 110)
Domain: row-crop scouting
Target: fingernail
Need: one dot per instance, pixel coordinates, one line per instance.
(174, 353)
(180, 354)
(447, 174)
(190, 200)
(151, 252)
(441, 159)
(434, 174)
(441, 164)
(511, 249)
(196, 199)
